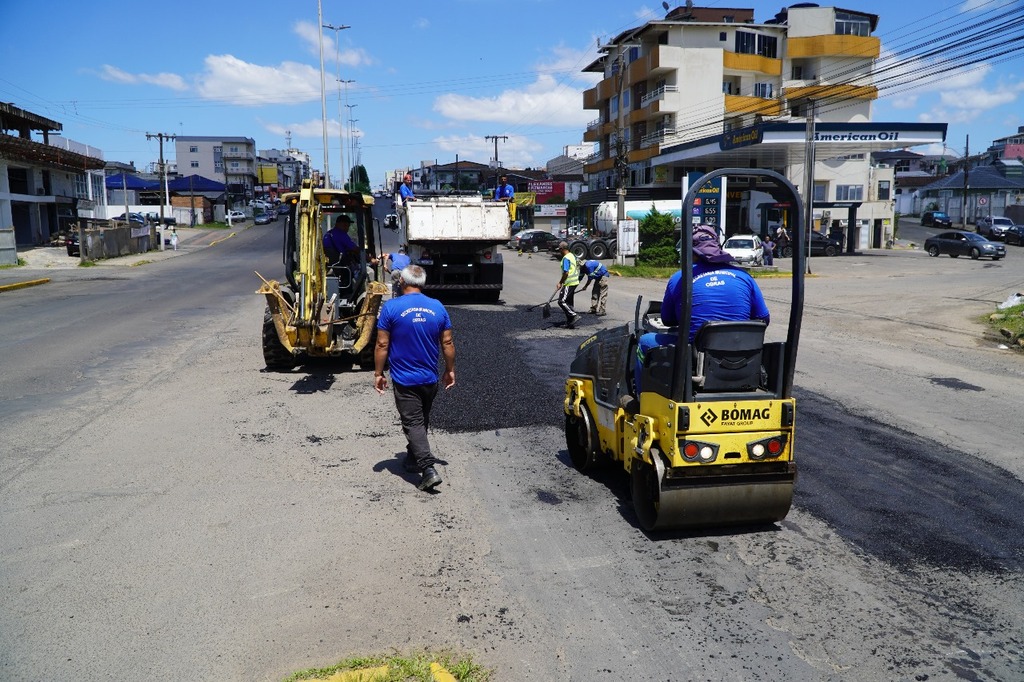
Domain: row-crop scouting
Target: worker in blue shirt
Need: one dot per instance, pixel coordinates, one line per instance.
(398, 261)
(597, 274)
(338, 245)
(504, 191)
(414, 331)
(405, 191)
(721, 291)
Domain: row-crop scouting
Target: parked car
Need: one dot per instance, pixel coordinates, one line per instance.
(1014, 235)
(283, 208)
(71, 242)
(136, 218)
(265, 218)
(959, 243)
(936, 219)
(745, 249)
(536, 240)
(822, 245)
(233, 216)
(993, 227)
(513, 243)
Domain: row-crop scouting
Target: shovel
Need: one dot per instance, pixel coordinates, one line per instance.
(546, 310)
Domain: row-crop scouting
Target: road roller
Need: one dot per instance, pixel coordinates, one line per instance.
(709, 439)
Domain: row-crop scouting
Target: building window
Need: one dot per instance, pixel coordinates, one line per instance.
(81, 186)
(849, 192)
(193, 149)
(723, 36)
(728, 19)
(625, 100)
(763, 90)
(727, 87)
(768, 46)
(613, 106)
(634, 54)
(902, 166)
(883, 190)
(798, 72)
(194, 164)
(820, 191)
(746, 43)
(850, 24)
(233, 149)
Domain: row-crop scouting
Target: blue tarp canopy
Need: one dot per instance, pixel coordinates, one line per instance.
(126, 181)
(195, 183)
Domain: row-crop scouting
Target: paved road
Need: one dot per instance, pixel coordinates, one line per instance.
(171, 510)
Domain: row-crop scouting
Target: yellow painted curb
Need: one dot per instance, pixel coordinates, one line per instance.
(218, 241)
(22, 285)
(440, 674)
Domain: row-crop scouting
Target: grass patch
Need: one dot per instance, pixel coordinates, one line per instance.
(87, 264)
(402, 668)
(1008, 323)
(21, 262)
(141, 262)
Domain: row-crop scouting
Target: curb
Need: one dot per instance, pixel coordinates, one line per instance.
(23, 285)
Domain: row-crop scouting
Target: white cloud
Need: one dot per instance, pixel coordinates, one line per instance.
(549, 100)
(647, 14)
(517, 150)
(312, 128)
(421, 24)
(311, 37)
(971, 5)
(164, 80)
(229, 79)
(981, 99)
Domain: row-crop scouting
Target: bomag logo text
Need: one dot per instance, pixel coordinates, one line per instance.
(745, 414)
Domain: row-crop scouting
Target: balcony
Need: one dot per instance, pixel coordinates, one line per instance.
(657, 137)
(734, 61)
(738, 104)
(856, 47)
(657, 62)
(657, 95)
(239, 156)
(841, 91)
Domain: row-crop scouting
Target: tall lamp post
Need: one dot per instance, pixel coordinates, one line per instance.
(323, 84)
(351, 148)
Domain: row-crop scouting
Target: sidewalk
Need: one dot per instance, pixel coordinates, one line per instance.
(43, 261)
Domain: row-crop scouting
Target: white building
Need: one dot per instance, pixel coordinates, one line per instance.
(46, 184)
(709, 88)
(231, 160)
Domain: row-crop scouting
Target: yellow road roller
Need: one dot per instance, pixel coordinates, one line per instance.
(709, 439)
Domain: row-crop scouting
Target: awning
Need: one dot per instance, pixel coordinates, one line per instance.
(126, 181)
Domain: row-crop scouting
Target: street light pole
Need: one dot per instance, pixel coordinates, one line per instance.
(337, 66)
(352, 150)
(323, 90)
(341, 125)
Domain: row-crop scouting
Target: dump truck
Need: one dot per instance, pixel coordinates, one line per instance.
(708, 437)
(455, 239)
(323, 309)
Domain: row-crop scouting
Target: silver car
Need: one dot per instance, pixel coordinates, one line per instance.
(994, 227)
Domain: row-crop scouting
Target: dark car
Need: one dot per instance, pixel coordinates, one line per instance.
(820, 246)
(1014, 235)
(71, 242)
(537, 241)
(936, 219)
(265, 218)
(133, 218)
(963, 244)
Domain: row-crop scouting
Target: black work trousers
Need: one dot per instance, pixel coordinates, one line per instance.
(413, 403)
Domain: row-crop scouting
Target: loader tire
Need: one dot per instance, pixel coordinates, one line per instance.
(275, 355)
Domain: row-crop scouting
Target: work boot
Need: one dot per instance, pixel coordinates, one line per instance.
(430, 479)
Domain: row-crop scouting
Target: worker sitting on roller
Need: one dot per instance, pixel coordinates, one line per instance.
(721, 291)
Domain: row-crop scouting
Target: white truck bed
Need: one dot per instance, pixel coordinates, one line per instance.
(457, 219)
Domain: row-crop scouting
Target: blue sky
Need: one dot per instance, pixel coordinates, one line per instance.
(431, 79)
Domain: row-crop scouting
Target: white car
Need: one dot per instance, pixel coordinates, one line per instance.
(235, 216)
(745, 249)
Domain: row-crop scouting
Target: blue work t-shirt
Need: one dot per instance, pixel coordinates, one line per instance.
(720, 292)
(505, 191)
(339, 241)
(406, 192)
(415, 323)
(399, 261)
(595, 269)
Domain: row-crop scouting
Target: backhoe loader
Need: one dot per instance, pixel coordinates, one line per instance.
(324, 309)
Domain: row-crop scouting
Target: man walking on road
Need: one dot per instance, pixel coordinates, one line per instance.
(567, 285)
(597, 274)
(413, 330)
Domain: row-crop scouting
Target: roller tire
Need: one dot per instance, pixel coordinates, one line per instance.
(581, 440)
(598, 250)
(646, 492)
(275, 355)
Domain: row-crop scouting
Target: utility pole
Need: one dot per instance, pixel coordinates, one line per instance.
(497, 166)
(341, 119)
(809, 179)
(163, 180)
(352, 146)
(963, 200)
(621, 158)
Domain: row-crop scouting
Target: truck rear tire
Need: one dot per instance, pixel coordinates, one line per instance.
(613, 248)
(598, 250)
(580, 250)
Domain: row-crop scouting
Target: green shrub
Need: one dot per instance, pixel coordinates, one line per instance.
(657, 240)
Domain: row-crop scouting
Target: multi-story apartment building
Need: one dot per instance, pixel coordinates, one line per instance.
(707, 88)
(292, 167)
(228, 159)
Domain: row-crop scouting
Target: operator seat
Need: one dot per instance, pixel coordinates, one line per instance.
(729, 356)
